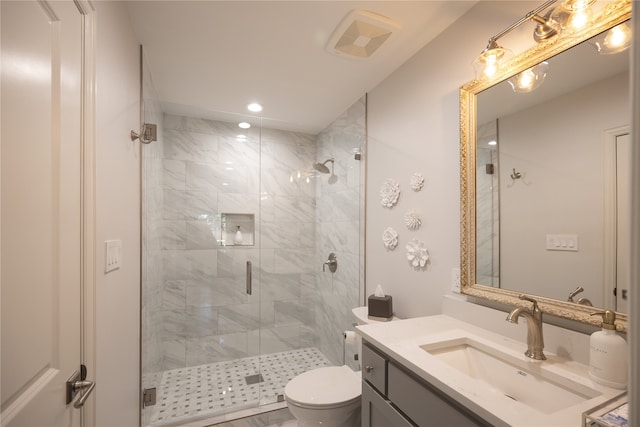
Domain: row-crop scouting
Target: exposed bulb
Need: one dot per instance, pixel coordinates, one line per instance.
(618, 37)
(615, 40)
(529, 79)
(580, 19)
(526, 79)
(490, 61)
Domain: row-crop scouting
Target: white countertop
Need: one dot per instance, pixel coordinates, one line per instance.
(401, 340)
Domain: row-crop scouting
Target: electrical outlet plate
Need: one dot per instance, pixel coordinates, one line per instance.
(455, 280)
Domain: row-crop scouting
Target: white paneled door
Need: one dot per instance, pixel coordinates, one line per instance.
(41, 211)
(623, 209)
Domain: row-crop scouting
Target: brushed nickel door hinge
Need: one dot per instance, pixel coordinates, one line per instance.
(148, 397)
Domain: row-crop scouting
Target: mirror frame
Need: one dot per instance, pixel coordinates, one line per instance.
(612, 15)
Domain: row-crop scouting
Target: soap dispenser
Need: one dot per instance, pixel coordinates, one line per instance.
(608, 353)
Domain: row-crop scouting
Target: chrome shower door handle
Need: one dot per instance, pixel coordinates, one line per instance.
(249, 278)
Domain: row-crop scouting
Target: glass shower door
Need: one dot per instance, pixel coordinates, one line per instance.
(200, 313)
(222, 204)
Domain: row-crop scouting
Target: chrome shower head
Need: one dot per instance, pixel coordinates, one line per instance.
(322, 167)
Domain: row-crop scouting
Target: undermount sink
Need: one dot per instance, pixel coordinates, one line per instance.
(523, 381)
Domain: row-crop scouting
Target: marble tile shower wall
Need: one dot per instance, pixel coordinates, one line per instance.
(487, 206)
(338, 212)
(206, 314)
(152, 202)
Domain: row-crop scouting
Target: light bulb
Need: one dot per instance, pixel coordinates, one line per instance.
(490, 60)
(580, 19)
(525, 79)
(529, 79)
(617, 37)
(615, 40)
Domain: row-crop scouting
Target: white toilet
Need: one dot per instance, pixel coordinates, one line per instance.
(328, 397)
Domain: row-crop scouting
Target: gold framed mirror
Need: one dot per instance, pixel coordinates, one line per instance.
(611, 15)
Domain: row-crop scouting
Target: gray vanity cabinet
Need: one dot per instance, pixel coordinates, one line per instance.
(392, 396)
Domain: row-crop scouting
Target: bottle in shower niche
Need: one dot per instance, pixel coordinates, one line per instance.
(237, 239)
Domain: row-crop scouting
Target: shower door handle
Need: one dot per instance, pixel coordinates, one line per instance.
(249, 278)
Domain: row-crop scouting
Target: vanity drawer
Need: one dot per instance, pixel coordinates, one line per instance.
(374, 369)
(423, 404)
(378, 412)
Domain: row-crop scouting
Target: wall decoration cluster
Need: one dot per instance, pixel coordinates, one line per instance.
(417, 253)
(412, 219)
(417, 181)
(390, 238)
(389, 193)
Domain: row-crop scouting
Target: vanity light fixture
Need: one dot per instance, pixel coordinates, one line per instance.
(615, 40)
(572, 16)
(494, 56)
(529, 79)
(491, 59)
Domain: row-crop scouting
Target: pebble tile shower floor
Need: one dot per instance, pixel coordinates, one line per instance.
(203, 391)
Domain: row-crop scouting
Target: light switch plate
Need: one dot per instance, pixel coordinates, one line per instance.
(113, 250)
(562, 242)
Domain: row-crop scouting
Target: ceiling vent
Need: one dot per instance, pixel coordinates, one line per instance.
(361, 33)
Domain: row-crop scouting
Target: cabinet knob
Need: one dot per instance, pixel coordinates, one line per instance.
(368, 369)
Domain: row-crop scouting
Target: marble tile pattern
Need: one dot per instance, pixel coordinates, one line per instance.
(339, 222)
(152, 277)
(196, 312)
(206, 316)
(487, 208)
(203, 391)
(279, 418)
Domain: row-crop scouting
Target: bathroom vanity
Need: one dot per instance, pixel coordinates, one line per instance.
(393, 396)
(439, 370)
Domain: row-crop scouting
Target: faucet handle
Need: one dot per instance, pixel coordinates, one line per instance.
(574, 293)
(526, 298)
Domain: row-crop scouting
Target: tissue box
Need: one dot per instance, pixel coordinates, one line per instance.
(380, 308)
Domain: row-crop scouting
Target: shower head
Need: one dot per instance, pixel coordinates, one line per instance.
(321, 167)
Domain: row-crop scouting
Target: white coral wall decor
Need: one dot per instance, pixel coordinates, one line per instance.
(417, 181)
(389, 193)
(390, 238)
(412, 219)
(417, 253)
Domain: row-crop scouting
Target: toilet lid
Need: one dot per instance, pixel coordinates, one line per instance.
(324, 386)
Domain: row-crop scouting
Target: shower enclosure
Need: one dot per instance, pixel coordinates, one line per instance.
(488, 205)
(237, 226)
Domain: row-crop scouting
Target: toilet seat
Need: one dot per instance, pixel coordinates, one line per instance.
(330, 387)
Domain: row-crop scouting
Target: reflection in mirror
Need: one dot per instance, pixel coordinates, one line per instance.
(543, 184)
(554, 140)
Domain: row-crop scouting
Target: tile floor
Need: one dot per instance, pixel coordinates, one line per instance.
(199, 392)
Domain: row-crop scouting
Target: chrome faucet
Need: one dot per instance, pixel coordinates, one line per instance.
(535, 342)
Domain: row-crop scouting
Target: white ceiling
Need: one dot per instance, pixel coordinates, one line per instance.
(207, 58)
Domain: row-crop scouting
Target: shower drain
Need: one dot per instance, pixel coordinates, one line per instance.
(254, 379)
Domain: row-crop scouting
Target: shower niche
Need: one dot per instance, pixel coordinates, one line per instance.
(237, 229)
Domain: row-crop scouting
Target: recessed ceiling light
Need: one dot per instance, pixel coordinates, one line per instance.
(492, 143)
(244, 125)
(254, 107)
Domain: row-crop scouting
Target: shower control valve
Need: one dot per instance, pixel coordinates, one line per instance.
(332, 262)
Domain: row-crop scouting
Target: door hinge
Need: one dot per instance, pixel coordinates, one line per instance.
(148, 397)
